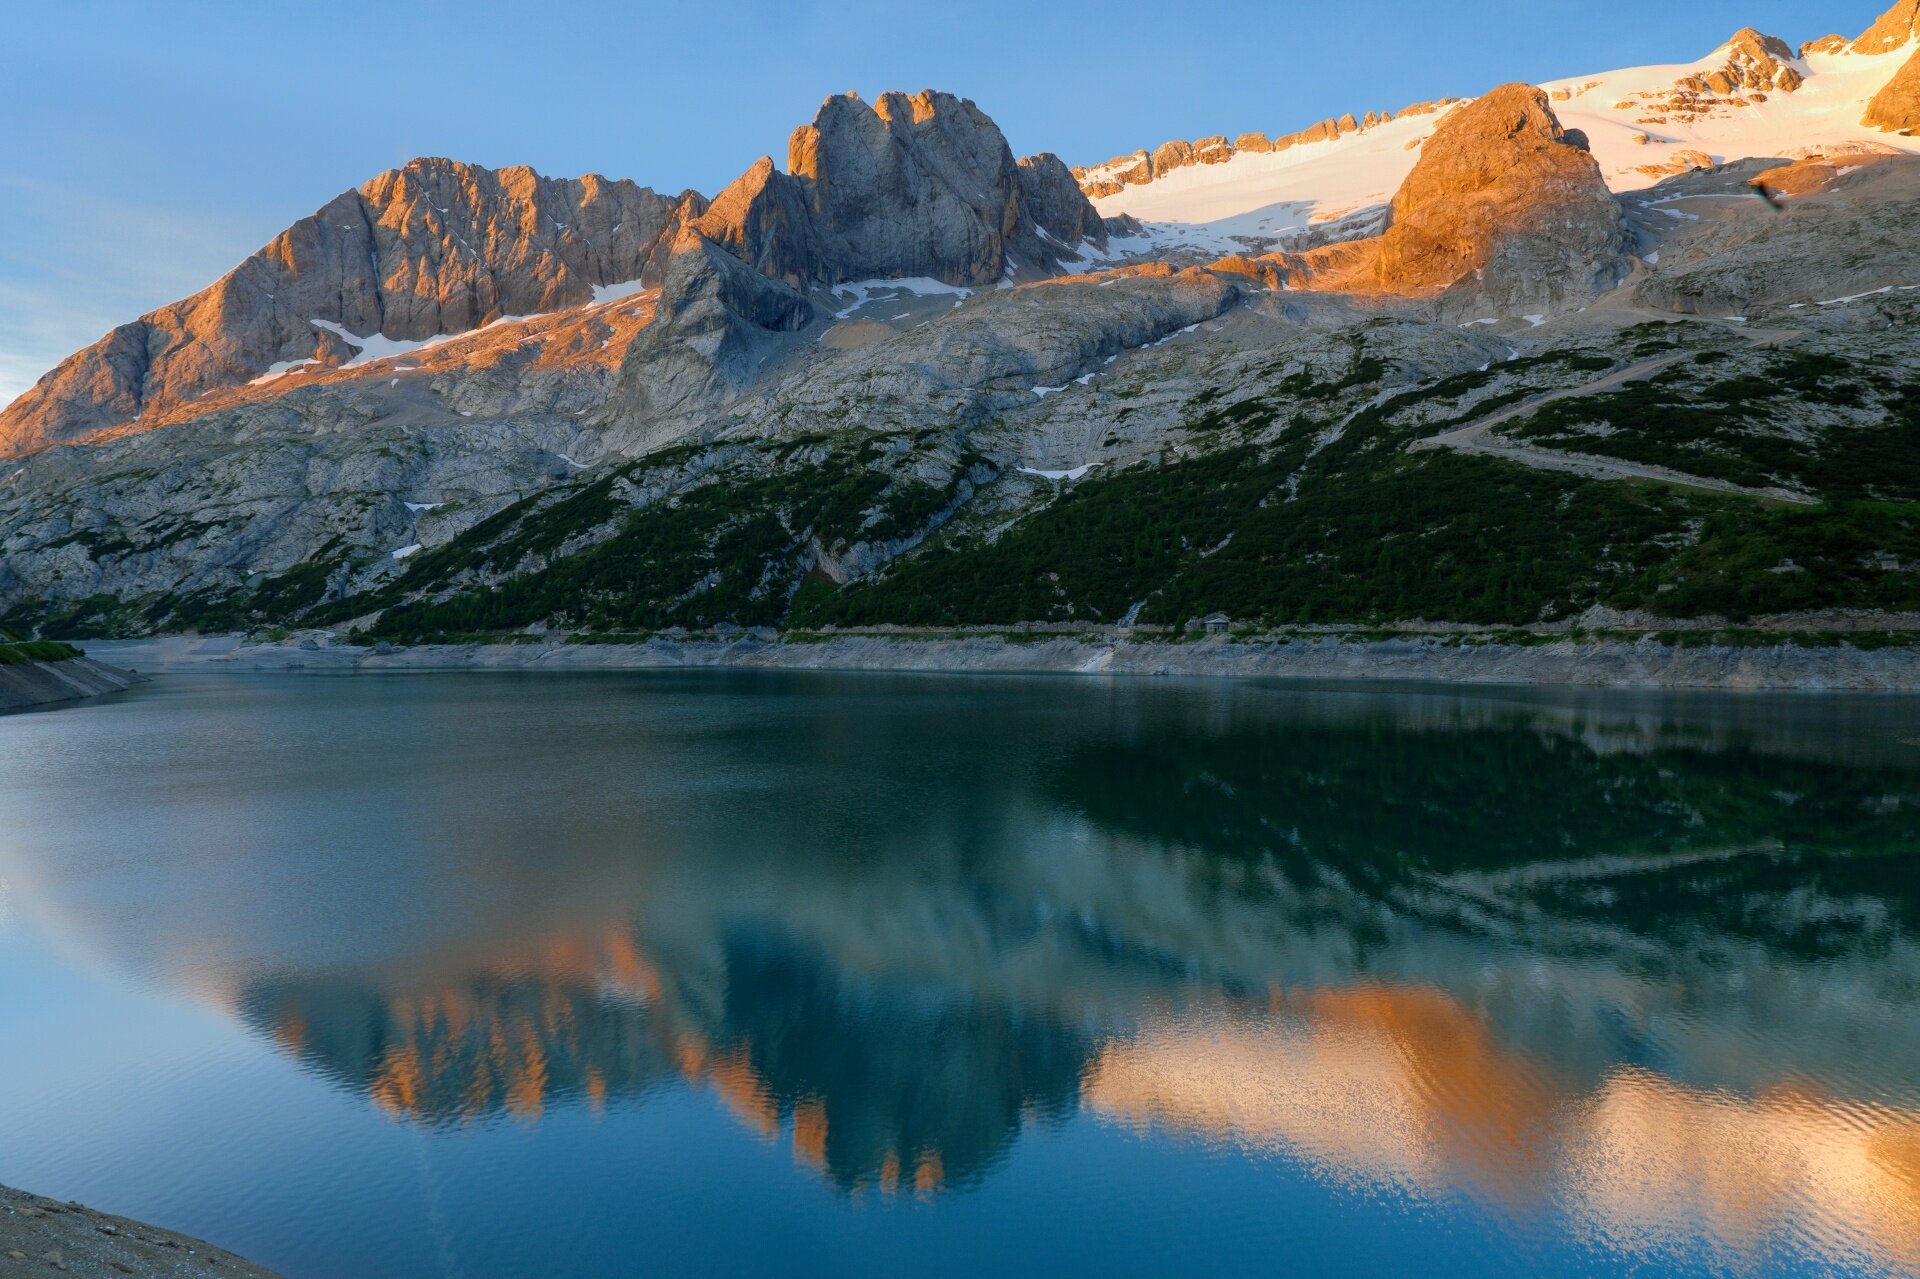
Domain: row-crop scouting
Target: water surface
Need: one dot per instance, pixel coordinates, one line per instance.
(496, 975)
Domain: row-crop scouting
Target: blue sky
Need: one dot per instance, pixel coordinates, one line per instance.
(146, 148)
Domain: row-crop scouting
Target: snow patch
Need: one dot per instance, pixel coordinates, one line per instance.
(1074, 474)
(376, 346)
(405, 551)
(280, 369)
(858, 293)
(614, 292)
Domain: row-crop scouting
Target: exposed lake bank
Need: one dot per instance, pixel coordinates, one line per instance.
(28, 684)
(1650, 662)
(45, 1236)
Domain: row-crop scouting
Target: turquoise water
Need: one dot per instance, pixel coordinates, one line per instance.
(582, 975)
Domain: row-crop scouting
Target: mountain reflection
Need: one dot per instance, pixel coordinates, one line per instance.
(1651, 971)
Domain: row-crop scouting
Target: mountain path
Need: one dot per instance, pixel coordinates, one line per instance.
(1478, 438)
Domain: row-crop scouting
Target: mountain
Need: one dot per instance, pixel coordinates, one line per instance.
(419, 252)
(920, 185)
(913, 186)
(1754, 96)
(1500, 191)
(1544, 357)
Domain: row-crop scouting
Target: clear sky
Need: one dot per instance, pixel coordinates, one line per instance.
(146, 148)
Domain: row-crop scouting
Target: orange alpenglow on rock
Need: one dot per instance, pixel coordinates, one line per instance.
(1896, 108)
(1499, 183)
(432, 248)
(1895, 28)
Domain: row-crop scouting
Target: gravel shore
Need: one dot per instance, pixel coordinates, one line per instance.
(45, 1237)
(1572, 662)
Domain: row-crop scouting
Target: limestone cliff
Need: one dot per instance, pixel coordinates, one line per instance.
(913, 185)
(435, 247)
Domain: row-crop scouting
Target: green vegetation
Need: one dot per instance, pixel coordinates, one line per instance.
(721, 552)
(1302, 506)
(1733, 429)
(28, 651)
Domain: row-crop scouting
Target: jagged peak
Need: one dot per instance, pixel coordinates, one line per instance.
(1757, 44)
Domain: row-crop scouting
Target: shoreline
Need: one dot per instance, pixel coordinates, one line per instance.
(1588, 663)
(36, 685)
(44, 1236)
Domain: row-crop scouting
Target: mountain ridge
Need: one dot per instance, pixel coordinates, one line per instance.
(1501, 393)
(1753, 95)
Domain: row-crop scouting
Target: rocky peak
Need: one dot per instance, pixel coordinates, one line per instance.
(1894, 29)
(1756, 62)
(1756, 66)
(914, 185)
(434, 247)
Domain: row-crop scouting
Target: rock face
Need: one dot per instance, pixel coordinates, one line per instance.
(920, 185)
(1895, 28)
(914, 186)
(433, 248)
(1896, 108)
(1502, 193)
(715, 316)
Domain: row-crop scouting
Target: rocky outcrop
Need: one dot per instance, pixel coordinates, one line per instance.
(1894, 29)
(1755, 66)
(1896, 108)
(1054, 203)
(1756, 62)
(1502, 194)
(920, 185)
(712, 327)
(764, 219)
(432, 248)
